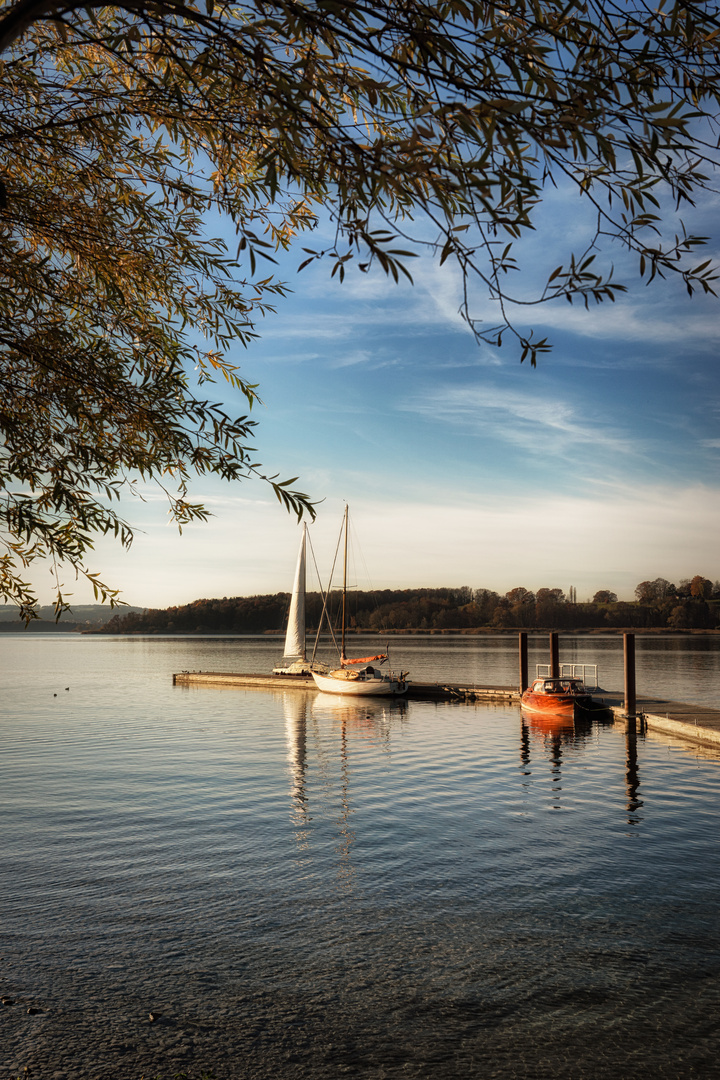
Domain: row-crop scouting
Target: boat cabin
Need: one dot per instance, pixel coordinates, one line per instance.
(357, 674)
(557, 686)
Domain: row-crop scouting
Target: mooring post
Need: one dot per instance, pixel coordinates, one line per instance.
(629, 668)
(523, 655)
(554, 656)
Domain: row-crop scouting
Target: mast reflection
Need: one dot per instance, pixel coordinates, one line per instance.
(346, 836)
(295, 706)
(366, 718)
(304, 716)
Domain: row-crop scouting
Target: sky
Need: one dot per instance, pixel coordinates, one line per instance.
(461, 466)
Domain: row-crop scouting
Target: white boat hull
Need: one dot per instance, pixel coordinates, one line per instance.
(377, 687)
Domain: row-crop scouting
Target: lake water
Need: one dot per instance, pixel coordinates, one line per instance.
(297, 886)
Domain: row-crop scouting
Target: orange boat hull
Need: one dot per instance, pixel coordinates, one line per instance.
(554, 704)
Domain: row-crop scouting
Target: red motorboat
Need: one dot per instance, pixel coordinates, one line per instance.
(563, 697)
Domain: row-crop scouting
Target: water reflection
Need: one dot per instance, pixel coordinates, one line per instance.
(368, 716)
(295, 712)
(554, 725)
(365, 718)
(632, 776)
(263, 868)
(525, 749)
(346, 836)
(557, 727)
(556, 734)
(319, 733)
(326, 735)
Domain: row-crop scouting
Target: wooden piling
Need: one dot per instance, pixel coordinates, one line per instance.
(554, 656)
(523, 657)
(629, 670)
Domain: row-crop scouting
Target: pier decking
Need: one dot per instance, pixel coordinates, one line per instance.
(697, 723)
(417, 690)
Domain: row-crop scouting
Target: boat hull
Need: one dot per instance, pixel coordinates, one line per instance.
(382, 687)
(555, 704)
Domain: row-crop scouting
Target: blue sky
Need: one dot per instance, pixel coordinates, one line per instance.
(462, 466)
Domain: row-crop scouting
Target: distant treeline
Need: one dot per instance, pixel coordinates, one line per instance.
(80, 617)
(693, 604)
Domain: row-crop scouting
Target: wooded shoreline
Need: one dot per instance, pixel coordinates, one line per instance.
(458, 611)
(659, 608)
(478, 631)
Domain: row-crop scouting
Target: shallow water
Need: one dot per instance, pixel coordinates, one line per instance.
(300, 887)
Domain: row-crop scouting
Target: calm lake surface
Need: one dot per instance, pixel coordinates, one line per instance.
(298, 886)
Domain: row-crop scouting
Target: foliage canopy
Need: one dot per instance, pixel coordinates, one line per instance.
(124, 128)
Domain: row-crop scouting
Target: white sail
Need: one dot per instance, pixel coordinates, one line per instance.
(295, 636)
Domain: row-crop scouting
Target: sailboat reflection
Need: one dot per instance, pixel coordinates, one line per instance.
(350, 718)
(295, 706)
(371, 716)
(331, 724)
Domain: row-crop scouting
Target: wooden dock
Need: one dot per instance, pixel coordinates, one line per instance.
(416, 690)
(234, 678)
(697, 723)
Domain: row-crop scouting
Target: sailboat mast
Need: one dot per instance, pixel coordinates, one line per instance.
(303, 589)
(342, 643)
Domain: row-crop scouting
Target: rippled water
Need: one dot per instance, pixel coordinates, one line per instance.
(296, 886)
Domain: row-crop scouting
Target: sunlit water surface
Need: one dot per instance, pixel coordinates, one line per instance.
(297, 886)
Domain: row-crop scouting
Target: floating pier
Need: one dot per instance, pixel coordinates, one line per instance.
(416, 690)
(697, 723)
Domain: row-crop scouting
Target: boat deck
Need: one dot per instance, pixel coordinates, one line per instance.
(698, 723)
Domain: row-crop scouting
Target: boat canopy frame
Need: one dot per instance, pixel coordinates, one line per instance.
(585, 673)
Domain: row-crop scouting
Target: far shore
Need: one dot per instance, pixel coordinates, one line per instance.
(490, 631)
(40, 626)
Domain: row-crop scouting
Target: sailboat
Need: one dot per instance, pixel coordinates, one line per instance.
(295, 661)
(349, 679)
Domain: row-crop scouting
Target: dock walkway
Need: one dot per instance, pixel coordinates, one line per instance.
(417, 690)
(698, 723)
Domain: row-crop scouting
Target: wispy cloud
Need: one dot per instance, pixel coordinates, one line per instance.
(536, 421)
(652, 322)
